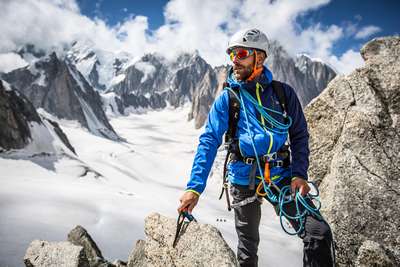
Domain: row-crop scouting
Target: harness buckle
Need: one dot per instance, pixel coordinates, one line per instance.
(249, 161)
(270, 157)
(279, 163)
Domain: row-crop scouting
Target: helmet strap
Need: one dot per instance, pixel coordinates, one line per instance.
(256, 70)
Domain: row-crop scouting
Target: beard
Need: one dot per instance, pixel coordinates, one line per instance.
(242, 72)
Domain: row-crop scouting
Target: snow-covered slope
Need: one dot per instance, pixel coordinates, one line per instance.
(44, 200)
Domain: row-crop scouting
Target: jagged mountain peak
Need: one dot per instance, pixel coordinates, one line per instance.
(56, 85)
(306, 75)
(304, 61)
(99, 67)
(186, 59)
(82, 50)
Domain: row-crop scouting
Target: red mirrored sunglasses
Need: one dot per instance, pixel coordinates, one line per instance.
(240, 53)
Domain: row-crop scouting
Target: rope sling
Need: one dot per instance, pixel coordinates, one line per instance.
(285, 195)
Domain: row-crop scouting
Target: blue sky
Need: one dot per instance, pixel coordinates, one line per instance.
(383, 14)
(116, 11)
(332, 31)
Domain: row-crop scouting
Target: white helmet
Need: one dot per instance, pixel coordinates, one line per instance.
(251, 38)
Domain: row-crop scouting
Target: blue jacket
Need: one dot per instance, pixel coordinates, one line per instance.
(265, 141)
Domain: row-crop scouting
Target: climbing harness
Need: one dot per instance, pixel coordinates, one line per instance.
(181, 220)
(232, 145)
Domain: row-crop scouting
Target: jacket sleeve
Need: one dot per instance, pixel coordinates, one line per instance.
(298, 134)
(209, 141)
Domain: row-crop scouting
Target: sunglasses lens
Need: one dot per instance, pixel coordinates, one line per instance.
(240, 53)
(232, 55)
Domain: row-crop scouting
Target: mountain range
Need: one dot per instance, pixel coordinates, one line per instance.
(88, 85)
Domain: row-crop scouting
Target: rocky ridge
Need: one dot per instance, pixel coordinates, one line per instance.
(198, 245)
(355, 146)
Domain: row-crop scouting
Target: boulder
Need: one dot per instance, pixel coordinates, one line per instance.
(198, 245)
(355, 154)
(372, 254)
(61, 254)
(80, 237)
(79, 251)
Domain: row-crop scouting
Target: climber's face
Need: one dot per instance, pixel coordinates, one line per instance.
(243, 62)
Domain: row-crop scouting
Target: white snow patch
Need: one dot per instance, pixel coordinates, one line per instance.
(95, 126)
(6, 85)
(41, 80)
(117, 79)
(109, 104)
(146, 68)
(86, 66)
(314, 59)
(32, 69)
(42, 140)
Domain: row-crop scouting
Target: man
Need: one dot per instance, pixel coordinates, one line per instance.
(264, 131)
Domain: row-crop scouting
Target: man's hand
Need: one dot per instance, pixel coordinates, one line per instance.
(299, 184)
(188, 201)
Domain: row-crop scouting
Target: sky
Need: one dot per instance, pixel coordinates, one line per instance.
(333, 31)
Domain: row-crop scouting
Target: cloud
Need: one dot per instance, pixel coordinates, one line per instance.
(11, 61)
(347, 62)
(189, 25)
(367, 31)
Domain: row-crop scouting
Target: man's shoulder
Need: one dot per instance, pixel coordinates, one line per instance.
(222, 98)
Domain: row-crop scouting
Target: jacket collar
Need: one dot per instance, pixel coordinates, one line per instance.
(264, 79)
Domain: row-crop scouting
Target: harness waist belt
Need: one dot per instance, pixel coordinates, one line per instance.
(270, 158)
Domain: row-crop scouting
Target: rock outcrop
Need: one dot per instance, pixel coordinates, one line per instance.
(198, 245)
(18, 118)
(80, 237)
(15, 114)
(79, 251)
(355, 156)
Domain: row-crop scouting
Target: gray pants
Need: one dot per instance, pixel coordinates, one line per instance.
(317, 236)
